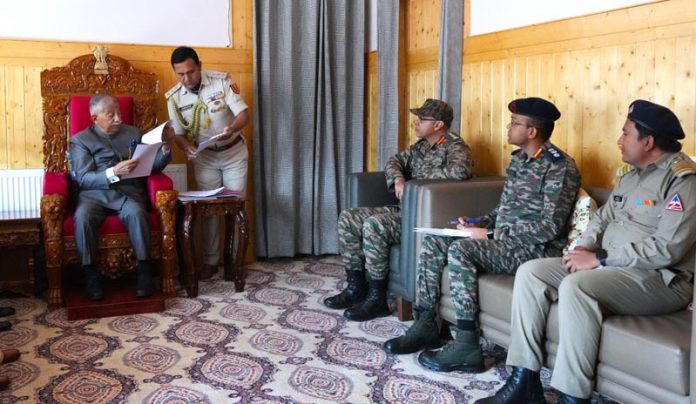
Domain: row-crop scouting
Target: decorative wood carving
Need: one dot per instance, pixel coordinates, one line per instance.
(115, 251)
(78, 78)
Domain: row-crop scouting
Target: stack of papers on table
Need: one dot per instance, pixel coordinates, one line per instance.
(221, 192)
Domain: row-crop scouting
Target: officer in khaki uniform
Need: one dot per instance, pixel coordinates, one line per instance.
(202, 105)
(636, 258)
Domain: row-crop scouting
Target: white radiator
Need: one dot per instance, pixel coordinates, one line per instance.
(20, 190)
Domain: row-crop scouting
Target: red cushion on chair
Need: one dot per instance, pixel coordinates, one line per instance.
(81, 119)
(55, 183)
(110, 226)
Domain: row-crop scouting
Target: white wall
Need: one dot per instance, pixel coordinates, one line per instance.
(498, 15)
(150, 22)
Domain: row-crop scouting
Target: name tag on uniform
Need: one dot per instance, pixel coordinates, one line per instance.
(618, 198)
(186, 107)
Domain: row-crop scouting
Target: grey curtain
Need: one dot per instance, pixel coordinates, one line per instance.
(387, 80)
(449, 85)
(308, 120)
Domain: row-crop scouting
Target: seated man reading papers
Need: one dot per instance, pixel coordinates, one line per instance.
(100, 158)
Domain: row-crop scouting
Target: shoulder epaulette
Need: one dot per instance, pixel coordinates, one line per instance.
(684, 167)
(623, 170)
(553, 154)
(172, 90)
(217, 75)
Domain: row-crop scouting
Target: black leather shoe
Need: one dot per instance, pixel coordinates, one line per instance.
(93, 284)
(354, 292)
(523, 386)
(374, 305)
(7, 311)
(5, 326)
(567, 399)
(145, 287)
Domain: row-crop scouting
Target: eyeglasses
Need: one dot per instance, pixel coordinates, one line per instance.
(425, 119)
(515, 123)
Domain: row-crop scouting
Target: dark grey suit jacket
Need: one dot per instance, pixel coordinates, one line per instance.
(93, 151)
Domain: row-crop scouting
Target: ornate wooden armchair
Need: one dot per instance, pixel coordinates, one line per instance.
(64, 91)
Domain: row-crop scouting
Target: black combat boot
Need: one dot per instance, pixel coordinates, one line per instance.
(374, 305)
(464, 353)
(93, 283)
(144, 288)
(354, 292)
(523, 386)
(423, 334)
(564, 398)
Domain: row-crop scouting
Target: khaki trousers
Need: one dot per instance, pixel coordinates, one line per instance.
(213, 170)
(583, 299)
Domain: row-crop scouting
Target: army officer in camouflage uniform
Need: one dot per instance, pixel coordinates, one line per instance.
(202, 105)
(635, 258)
(530, 221)
(366, 234)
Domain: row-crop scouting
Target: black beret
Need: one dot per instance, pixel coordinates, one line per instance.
(437, 109)
(660, 120)
(536, 108)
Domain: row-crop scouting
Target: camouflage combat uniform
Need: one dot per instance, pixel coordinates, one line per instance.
(366, 234)
(529, 222)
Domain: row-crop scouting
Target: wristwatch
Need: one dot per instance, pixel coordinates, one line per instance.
(602, 256)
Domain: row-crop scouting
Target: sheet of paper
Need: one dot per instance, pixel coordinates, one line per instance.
(443, 232)
(201, 194)
(145, 153)
(155, 135)
(207, 143)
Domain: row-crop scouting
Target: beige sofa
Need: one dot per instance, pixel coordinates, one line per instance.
(641, 359)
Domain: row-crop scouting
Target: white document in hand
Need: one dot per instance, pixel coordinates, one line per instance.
(201, 194)
(155, 135)
(207, 143)
(443, 232)
(145, 153)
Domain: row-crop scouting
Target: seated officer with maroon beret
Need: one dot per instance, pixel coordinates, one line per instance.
(635, 258)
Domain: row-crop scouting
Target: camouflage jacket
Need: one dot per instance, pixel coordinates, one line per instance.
(537, 199)
(450, 158)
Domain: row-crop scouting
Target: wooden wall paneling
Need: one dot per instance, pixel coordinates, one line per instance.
(33, 117)
(596, 152)
(371, 112)
(242, 21)
(497, 99)
(570, 71)
(15, 116)
(486, 154)
(685, 90)
(4, 150)
(665, 57)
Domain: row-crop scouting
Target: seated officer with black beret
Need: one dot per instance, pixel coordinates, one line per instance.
(635, 258)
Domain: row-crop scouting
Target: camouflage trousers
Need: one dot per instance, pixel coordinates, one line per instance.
(365, 236)
(465, 258)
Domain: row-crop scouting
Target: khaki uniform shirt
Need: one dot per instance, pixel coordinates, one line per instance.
(648, 222)
(221, 106)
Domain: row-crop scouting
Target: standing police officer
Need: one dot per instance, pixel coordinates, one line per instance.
(636, 258)
(202, 105)
(530, 221)
(366, 234)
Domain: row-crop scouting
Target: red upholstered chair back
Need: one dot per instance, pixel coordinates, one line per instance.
(80, 117)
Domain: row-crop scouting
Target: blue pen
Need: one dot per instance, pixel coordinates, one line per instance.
(470, 220)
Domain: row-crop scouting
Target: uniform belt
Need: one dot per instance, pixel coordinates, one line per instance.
(229, 145)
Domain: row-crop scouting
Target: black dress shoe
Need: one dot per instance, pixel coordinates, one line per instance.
(7, 311)
(93, 284)
(523, 386)
(5, 325)
(144, 287)
(568, 399)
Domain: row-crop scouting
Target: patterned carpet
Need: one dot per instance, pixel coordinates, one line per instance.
(273, 343)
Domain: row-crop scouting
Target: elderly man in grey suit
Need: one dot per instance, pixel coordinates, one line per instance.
(99, 156)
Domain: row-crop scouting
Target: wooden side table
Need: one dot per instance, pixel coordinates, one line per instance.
(20, 236)
(233, 209)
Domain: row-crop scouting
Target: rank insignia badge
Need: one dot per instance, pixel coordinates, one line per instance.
(675, 204)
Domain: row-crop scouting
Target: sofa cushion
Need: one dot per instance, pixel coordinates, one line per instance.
(652, 348)
(585, 206)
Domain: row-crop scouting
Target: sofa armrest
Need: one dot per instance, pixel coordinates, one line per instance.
(368, 190)
(434, 203)
(158, 182)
